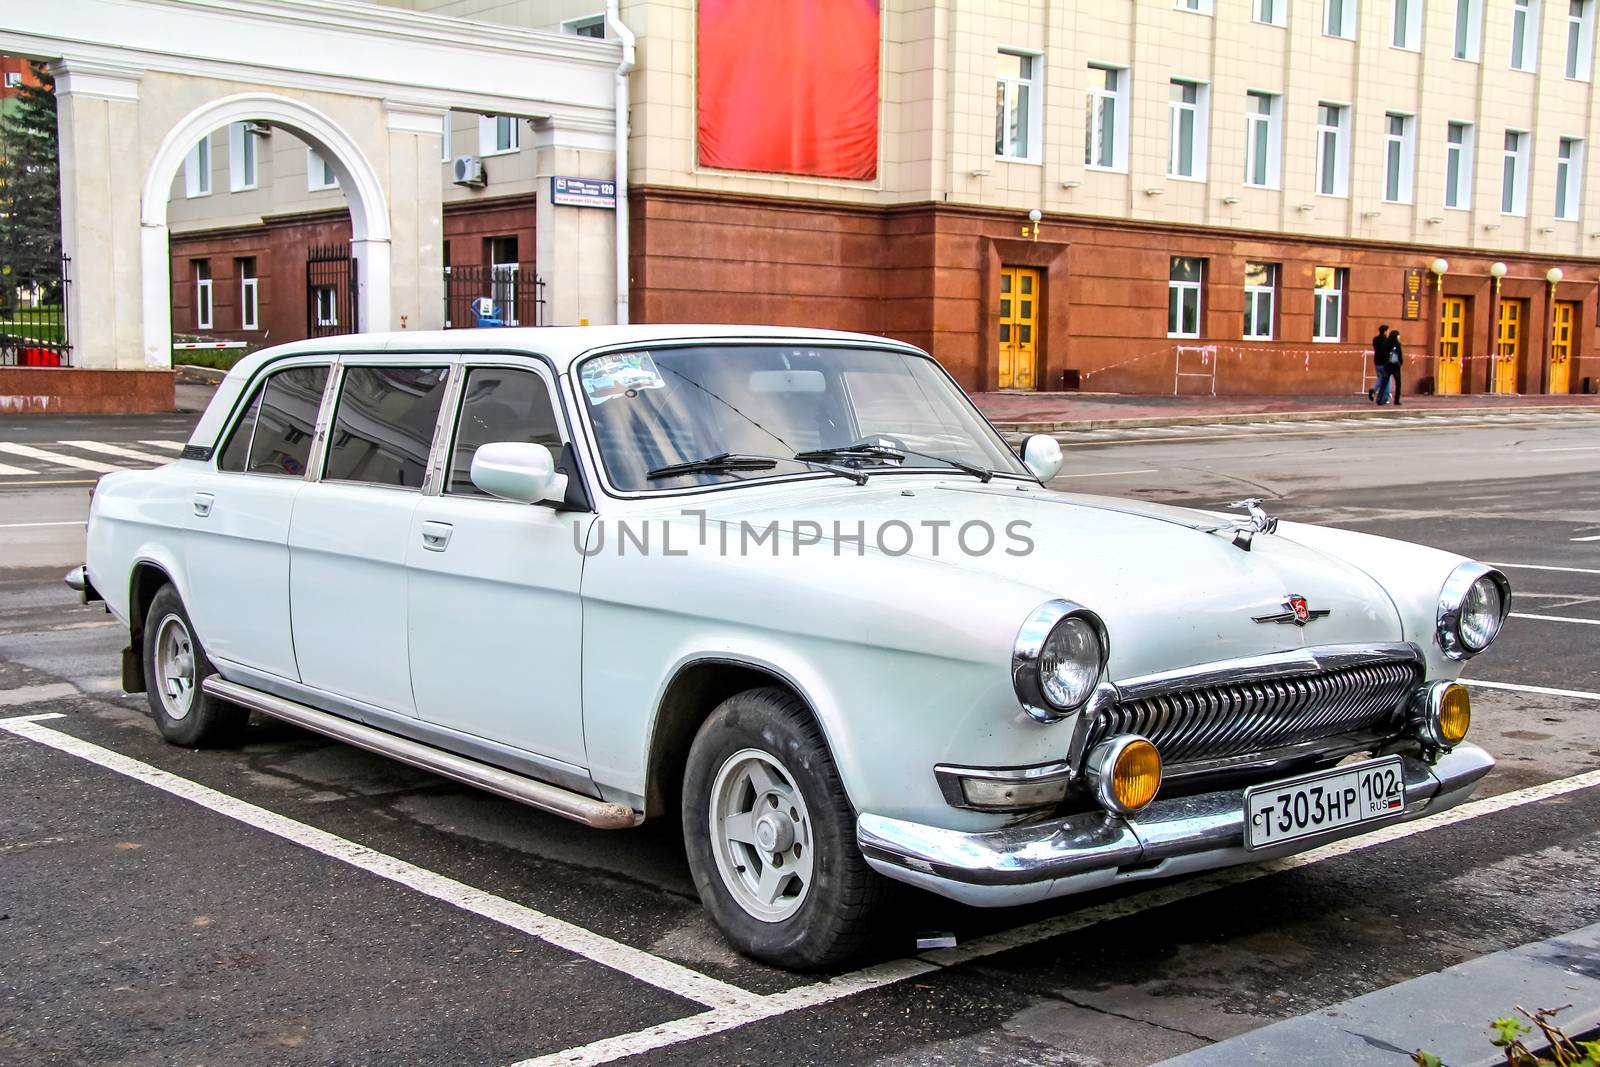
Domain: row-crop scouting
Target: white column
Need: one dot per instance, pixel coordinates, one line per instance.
(575, 247)
(416, 216)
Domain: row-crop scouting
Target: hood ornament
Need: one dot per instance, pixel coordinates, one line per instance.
(1296, 612)
(1258, 522)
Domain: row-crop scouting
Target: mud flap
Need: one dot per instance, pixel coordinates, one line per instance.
(132, 671)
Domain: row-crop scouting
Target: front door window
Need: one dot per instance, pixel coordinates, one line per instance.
(1018, 329)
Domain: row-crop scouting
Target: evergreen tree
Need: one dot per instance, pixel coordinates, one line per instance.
(30, 187)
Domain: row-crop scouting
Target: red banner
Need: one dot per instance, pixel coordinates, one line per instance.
(789, 86)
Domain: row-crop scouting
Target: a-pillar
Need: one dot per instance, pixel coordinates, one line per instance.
(575, 247)
(416, 216)
(97, 116)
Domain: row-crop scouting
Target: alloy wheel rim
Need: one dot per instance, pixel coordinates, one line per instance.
(761, 835)
(175, 667)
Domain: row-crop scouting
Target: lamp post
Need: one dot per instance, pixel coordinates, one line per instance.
(1034, 215)
(1497, 271)
(1553, 276)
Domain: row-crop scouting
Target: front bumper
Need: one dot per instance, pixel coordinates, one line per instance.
(1024, 864)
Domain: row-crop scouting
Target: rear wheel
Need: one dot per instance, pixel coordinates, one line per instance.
(771, 835)
(175, 668)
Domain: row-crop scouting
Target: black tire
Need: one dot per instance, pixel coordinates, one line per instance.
(199, 720)
(833, 919)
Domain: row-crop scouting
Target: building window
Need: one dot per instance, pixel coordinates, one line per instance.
(1333, 171)
(1458, 165)
(1186, 151)
(202, 294)
(1569, 178)
(1580, 39)
(13, 79)
(1186, 275)
(1328, 305)
(327, 303)
(1260, 300)
(1407, 25)
(503, 270)
(1202, 7)
(1105, 141)
(1339, 18)
(1272, 12)
(1398, 156)
(241, 157)
(498, 134)
(1469, 27)
(588, 26)
(1016, 114)
(319, 172)
(249, 294)
(197, 169)
(1262, 139)
(1514, 174)
(1524, 34)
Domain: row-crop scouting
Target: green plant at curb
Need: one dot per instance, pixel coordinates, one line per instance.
(1508, 1032)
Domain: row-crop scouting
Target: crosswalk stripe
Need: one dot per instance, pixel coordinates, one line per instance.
(116, 450)
(29, 452)
(176, 446)
(8, 472)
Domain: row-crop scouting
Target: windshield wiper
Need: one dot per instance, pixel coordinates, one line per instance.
(871, 449)
(732, 461)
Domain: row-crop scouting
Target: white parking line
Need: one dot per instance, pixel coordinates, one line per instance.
(635, 963)
(1596, 537)
(1542, 567)
(1572, 448)
(1542, 689)
(29, 525)
(118, 451)
(29, 452)
(1554, 618)
(176, 446)
(1106, 474)
(811, 996)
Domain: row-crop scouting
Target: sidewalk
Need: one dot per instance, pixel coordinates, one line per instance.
(1051, 412)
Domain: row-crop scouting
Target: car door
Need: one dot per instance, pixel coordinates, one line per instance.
(495, 617)
(351, 528)
(238, 519)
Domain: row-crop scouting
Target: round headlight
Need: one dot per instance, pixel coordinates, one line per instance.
(1069, 663)
(1472, 607)
(1059, 656)
(1480, 614)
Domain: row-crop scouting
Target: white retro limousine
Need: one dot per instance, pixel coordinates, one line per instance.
(789, 587)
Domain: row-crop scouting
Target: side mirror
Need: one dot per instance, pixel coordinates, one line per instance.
(1041, 454)
(517, 470)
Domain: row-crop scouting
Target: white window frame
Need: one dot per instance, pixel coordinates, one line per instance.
(1569, 179)
(1200, 114)
(249, 299)
(329, 315)
(1118, 98)
(1009, 89)
(319, 173)
(13, 79)
(499, 135)
(1407, 31)
(1339, 19)
(1253, 296)
(1341, 150)
(1461, 156)
(1399, 158)
(1466, 31)
(1272, 119)
(204, 307)
(1514, 164)
(1186, 290)
(574, 26)
(1270, 12)
(244, 160)
(1199, 7)
(1580, 41)
(1320, 302)
(1525, 18)
(197, 169)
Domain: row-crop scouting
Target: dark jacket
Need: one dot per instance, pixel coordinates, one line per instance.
(1380, 349)
(1396, 356)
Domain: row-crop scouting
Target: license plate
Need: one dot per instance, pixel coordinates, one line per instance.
(1286, 811)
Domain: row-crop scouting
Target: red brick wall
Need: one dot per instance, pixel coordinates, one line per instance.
(75, 391)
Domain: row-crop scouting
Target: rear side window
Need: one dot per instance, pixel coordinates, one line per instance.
(383, 426)
(274, 435)
(500, 404)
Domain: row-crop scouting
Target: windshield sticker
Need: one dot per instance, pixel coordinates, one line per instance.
(622, 374)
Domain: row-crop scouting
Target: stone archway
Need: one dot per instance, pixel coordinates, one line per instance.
(369, 208)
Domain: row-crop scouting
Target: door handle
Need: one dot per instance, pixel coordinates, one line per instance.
(203, 502)
(436, 536)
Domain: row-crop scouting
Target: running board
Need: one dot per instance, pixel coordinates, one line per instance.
(524, 790)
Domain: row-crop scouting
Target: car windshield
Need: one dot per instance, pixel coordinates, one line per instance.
(875, 410)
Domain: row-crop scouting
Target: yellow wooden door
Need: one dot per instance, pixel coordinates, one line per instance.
(1509, 351)
(1452, 335)
(1562, 332)
(1019, 327)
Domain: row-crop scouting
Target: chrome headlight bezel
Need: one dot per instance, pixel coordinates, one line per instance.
(1029, 647)
(1452, 604)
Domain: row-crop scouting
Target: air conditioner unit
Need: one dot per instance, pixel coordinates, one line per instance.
(259, 129)
(469, 171)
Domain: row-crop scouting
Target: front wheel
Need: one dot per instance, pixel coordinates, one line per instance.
(175, 667)
(771, 835)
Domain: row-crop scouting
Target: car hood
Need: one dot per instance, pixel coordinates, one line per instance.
(1171, 590)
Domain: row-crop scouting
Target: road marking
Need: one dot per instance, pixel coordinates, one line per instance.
(1107, 474)
(7, 471)
(33, 694)
(75, 481)
(1554, 618)
(1545, 690)
(1572, 448)
(57, 458)
(635, 963)
(1542, 567)
(117, 450)
(26, 525)
(45, 717)
(1233, 436)
(176, 446)
(1595, 537)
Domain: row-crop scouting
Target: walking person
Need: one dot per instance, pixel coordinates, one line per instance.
(1396, 360)
(1380, 354)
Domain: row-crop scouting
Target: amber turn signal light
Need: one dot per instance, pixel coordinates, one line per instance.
(1454, 717)
(1125, 773)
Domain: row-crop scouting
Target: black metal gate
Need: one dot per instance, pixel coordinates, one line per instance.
(514, 295)
(330, 291)
(33, 318)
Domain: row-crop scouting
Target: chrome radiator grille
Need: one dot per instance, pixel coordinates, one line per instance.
(1215, 721)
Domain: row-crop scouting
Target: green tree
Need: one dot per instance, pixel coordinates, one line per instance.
(30, 186)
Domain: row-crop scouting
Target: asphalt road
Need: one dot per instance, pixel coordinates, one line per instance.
(297, 901)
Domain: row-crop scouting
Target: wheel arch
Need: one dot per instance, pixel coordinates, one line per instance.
(147, 578)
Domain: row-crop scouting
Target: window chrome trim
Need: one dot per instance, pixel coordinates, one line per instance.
(1453, 598)
(1028, 647)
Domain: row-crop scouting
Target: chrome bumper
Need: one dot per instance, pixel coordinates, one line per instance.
(1023, 864)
